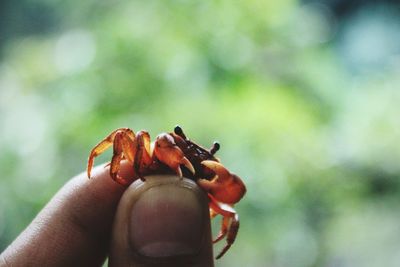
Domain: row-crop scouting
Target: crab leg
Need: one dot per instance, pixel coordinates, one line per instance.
(116, 159)
(166, 150)
(224, 229)
(104, 144)
(124, 147)
(231, 235)
(230, 223)
(213, 214)
(143, 155)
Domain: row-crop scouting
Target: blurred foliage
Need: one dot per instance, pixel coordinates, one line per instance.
(304, 103)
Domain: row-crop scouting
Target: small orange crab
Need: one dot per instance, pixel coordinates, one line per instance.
(174, 153)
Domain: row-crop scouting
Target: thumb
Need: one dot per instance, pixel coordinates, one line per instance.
(163, 221)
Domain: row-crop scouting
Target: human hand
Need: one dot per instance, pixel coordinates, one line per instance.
(162, 222)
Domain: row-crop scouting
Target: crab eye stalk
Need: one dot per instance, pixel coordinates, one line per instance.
(215, 147)
(178, 130)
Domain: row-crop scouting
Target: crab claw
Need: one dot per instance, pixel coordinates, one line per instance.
(166, 150)
(188, 165)
(226, 187)
(219, 169)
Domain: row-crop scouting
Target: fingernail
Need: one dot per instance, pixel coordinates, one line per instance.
(167, 221)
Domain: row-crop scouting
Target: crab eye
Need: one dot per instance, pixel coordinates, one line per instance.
(178, 130)
(217, 145)
(214, 148)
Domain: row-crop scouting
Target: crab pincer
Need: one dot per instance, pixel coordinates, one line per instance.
(226, 186)
(166, 151)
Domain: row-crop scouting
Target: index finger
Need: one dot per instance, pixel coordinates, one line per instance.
(74, 228)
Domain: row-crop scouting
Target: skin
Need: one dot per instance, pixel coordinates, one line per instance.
(75, 227)
(180, 234)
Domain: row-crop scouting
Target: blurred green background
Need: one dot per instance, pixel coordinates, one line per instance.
(303, 97)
